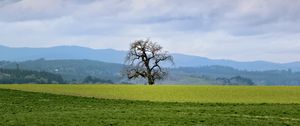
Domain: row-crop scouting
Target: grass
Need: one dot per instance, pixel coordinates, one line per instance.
(172, 93)
(29, 108)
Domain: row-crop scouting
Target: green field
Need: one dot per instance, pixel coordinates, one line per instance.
(171, 93)
(28, 108)
(37, 104)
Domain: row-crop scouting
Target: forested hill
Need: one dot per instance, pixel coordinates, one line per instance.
(13, 76)
(73, 71)
(222, 73)
(89, 71)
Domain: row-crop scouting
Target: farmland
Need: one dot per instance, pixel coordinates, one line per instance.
(29, 108)
(171, 93)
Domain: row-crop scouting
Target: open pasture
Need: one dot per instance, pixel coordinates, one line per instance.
(172, 93)
(33, 108)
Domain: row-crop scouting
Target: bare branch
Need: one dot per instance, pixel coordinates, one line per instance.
(143, 60)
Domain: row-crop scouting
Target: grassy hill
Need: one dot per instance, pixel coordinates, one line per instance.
(27, 108)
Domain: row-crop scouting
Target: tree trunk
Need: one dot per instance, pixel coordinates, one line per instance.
(150, 80)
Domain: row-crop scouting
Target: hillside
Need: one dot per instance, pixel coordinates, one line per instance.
(115, 56)
(13, 76)
(76, 71)
(222, 73)
(71, 70)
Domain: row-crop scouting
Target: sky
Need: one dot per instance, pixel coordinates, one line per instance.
(242, 30)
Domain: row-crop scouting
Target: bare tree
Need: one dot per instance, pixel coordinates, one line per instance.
(143, 60)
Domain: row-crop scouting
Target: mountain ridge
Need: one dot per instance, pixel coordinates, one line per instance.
(117, 56)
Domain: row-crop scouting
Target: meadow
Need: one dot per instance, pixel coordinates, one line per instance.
(39, 104)
(172, 93)
(33, 108)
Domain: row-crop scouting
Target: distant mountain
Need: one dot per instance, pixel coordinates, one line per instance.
(61, 52)
(115, 56)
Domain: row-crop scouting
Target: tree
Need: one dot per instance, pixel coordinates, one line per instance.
(143, 60)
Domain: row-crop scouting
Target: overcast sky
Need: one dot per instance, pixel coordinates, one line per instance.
(244, 30)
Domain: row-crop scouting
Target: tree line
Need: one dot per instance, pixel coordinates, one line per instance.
(13, 76)
(19, 76)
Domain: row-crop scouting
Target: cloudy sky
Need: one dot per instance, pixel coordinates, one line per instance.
(243, 30)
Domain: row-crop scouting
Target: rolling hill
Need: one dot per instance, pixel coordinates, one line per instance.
(71, 70)
(115, 56)
(75, 71)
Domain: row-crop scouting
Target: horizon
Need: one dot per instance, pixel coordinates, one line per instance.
(168, 51)
(258, 30)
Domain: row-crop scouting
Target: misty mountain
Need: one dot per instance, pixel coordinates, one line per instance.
(61, 52)
(115, 56)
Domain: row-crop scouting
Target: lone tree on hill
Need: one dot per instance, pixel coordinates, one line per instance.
(143, 60)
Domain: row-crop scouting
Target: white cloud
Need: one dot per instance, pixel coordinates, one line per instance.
(234, 29)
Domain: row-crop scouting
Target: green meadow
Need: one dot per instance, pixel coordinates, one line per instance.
(93, 105)
(33, 108)
(172, 93)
